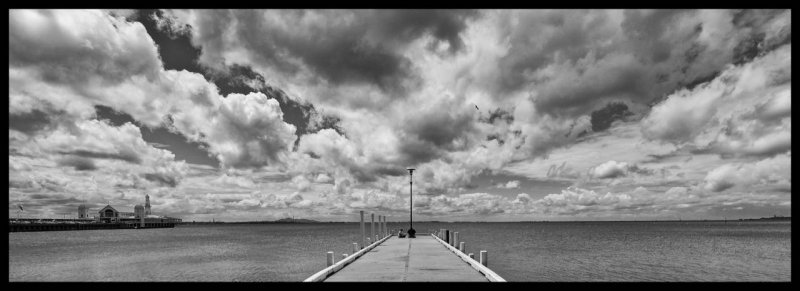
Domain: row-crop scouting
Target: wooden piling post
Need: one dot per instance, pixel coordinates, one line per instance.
(455, 240)
(330, 259)
(355, 248)
(363, 232)
(461, 246)
(373, 225)
(484, 258)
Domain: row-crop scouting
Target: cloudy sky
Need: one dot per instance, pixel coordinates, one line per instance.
(506, 114)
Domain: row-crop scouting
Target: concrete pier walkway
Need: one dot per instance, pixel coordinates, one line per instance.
(421, 259)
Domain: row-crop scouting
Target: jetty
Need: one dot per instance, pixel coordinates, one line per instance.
(27, 224)
(437, 256)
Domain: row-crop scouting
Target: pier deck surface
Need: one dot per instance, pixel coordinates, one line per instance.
(421, 259)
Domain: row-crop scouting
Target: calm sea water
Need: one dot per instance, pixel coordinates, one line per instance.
(555, 251)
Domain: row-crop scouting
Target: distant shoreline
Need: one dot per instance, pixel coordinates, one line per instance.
(309, 221)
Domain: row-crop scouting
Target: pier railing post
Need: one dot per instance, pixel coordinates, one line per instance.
(363, 232)
(373, 225)
(461, 246)
(355, 248)
(455, 239)
(484, 258)
(330, 259)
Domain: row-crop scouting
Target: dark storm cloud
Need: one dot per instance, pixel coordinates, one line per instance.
(498, 114)
(175, 48)
(341, 47)
(371, 173)
(178, 53)
(432, 132)
(28, 123)
(441, 129)
(20, 184)
(591, 60)
(114, 117)
(624, 80)
(46, 199)
(65, 60)
(193, 152)
(757, 43)
(130, 157)
(602, 119)
(162, 179)
(79, 163)
(407, 25)
(242, 79)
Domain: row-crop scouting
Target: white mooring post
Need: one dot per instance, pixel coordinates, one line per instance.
(471, 256)
(363, 232)
(461, 246)
(355, 248)
(330, 259)
(484, 258)
(373, 225)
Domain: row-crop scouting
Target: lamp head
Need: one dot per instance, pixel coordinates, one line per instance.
(410, 171)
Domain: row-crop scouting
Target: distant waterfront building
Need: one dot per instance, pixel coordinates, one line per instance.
(83, 211)
(138, 211)
(109, 214)
(147, 205)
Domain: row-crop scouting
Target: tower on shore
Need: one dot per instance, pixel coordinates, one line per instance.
(82, 211)
(147, 205)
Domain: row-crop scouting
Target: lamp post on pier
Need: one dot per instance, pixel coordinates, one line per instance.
(411, 230)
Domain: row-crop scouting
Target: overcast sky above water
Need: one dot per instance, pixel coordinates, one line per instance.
(506, 114)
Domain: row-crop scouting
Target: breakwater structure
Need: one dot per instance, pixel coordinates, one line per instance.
(107, 217)
(29, 224)
(382, 256)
